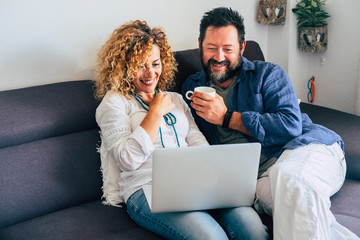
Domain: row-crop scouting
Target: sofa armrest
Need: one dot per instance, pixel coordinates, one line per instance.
(347, 126)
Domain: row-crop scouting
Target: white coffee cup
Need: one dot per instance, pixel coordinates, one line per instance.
(209, 90)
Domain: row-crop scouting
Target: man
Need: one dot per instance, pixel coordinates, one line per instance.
(302, 164)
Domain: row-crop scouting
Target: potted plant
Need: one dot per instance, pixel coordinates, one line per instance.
(312, 26)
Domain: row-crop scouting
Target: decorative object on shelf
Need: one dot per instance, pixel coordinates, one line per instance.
(272, 12)
(312, 27)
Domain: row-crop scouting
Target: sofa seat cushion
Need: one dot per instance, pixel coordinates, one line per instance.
(345, 205)
(91, 220)
(48, 175)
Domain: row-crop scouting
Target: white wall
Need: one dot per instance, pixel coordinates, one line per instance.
(336, 80)
(47, 41)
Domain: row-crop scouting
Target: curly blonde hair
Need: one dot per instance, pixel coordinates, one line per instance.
(127, 49)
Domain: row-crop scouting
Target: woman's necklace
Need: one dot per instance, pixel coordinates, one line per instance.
(169, 118)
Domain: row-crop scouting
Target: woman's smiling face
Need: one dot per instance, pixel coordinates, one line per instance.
(149, 74)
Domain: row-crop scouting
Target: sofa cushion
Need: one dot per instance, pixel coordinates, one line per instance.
(48, 155)
(347, 126)
(48, 175)
(345, 205)
(90, 221)
(188, 63)
(35, 113)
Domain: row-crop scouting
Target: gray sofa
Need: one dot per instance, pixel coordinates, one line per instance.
(50, 179)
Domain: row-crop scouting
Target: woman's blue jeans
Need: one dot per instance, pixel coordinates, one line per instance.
(227, 223)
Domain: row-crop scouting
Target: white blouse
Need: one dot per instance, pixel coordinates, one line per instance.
(126, 148)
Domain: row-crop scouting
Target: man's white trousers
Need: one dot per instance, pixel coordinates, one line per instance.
(296, 192)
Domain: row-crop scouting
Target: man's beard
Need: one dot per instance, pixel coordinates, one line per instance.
(220, 78)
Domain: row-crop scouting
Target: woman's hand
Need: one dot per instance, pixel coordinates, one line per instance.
(161, 105)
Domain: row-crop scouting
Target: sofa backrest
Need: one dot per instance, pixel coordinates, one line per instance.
(48, 158)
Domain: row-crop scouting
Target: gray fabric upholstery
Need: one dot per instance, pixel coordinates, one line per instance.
(48, 158)
(34, 113)
(345, 205)
(50, 179)
(48, 175)
(85, 221)
(343, 124)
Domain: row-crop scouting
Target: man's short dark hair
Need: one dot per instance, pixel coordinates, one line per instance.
(222, 17)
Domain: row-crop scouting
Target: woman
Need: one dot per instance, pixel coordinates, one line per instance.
(136, 115)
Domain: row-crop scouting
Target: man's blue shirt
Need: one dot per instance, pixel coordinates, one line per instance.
(263, 93)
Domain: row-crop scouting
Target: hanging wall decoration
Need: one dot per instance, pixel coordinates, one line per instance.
(312, 27)
(272, 12)
(313, 39)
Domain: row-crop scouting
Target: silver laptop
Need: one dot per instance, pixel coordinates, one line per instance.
(203, 177)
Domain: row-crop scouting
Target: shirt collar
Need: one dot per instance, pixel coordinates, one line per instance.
(246, 66)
